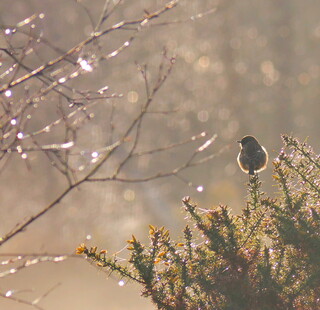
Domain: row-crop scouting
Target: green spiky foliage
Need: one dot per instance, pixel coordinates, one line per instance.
(267, 258)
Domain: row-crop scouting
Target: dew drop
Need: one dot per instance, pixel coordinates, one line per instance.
(200, 188)
(121, 283)
(5, 262)
(103, 89)
(20, 135)
(13, 122)
(94, 154)
(62, 80)
(85, 65)
(94, 160)
(8, 93)
(67, 145)
(74, 74)
(59, 258)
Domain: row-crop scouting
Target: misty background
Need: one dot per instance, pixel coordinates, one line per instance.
(244, 67)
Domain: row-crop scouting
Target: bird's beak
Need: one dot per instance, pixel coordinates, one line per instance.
(239, 141)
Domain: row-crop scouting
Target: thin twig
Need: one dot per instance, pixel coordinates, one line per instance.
(21, 301)
(142, 22)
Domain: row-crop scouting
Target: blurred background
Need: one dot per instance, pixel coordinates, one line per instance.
(249, 67)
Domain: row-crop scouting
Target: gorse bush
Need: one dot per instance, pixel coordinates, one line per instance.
(266, 258)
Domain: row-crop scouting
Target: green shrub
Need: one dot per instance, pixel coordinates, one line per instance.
(266, 258)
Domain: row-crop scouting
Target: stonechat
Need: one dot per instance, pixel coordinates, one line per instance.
(252, 157)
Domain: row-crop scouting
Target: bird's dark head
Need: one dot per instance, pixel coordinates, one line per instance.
(247, 139)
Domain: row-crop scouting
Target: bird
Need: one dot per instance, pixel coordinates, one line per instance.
(252, 157)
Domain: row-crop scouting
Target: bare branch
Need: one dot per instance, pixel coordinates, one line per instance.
(8, 296)
(141, 22)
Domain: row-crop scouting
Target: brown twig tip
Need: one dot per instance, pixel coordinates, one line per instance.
(172, 4)
(186, 199)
